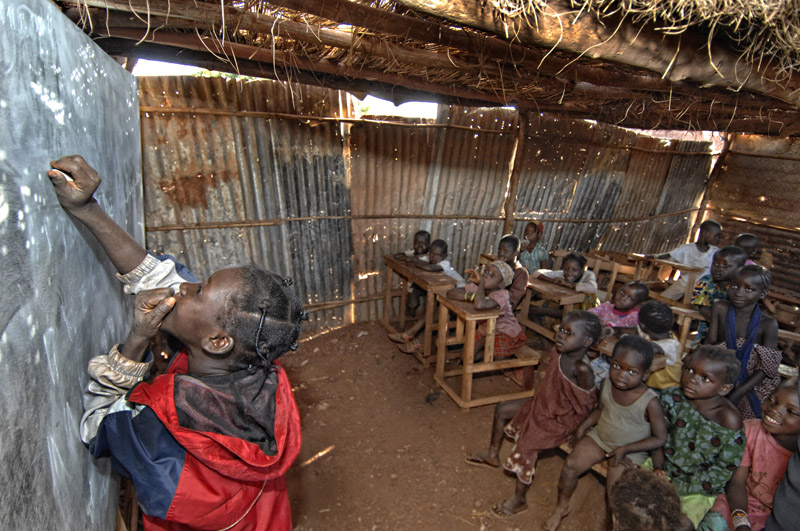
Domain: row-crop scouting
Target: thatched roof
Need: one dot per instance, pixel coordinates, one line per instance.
(727, 65)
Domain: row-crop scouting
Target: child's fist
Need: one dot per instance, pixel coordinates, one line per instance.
(74, 181)
(149, 310)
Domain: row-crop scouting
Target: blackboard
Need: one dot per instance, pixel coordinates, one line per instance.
(59, 302)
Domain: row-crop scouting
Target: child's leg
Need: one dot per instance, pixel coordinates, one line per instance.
(585, 454)
(479, 345)
(412, 300)
(503, 413)
(515, 504)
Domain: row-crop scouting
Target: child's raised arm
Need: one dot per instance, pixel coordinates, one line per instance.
(658, 427)
(75, 192)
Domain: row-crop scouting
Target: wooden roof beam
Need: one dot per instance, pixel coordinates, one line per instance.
(674, 57)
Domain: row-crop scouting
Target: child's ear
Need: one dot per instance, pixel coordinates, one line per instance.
(725, 389)
(219, 344)
(588, 342)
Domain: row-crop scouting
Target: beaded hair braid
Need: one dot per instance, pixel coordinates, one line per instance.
(263, 317)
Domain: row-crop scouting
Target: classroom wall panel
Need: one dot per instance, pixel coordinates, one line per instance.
(229, 181)
(247, 173)
(60, 303)
(758, 191)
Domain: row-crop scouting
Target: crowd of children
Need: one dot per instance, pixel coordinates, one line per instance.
(672, 426)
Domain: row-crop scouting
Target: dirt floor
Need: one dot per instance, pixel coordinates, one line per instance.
(384, 448)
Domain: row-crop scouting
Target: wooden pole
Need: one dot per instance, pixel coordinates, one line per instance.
(510, 204)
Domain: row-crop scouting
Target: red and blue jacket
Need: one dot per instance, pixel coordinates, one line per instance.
(187, 479)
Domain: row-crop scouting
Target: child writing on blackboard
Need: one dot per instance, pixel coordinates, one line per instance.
(224, 396)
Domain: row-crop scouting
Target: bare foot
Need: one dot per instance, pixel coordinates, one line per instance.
(554, 520)
(511, 507)
(483, 459)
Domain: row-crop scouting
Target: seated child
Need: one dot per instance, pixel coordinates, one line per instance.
(740, 325)
(714, 287)
(771, 441)
(641, 500)
(419, 254)
(566, 396)
(655, 325)
(507, 251)
(208, 443)
(705, 434)
(491, 292)
(755, 256)
(626, 424)
(438, 262)
(573, 275)
(621, 316)
(533, 256)
(697, 254)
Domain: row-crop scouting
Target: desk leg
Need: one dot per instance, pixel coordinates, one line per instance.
(488, 344)
(691, 280)
(403, 295)
(387, 297)
(467, 362)
(441, 343)
(430, 302)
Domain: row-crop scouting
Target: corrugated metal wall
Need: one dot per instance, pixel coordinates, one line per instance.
(228, 179)
(205, 162)
(758, 191)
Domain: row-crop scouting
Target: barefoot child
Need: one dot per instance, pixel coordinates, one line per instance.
(533, 255)
(208, 443)
(753, 335)
(419, 253)
(566, 396)
(714, 287)
(491, 292)
(705, 435)
(655, 325)
(771, 441)
(438, 262)
(627, 423)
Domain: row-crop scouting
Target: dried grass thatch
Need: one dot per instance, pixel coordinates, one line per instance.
(765, 32)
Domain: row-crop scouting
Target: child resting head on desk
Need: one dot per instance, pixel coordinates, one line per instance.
(573, 275)
(438, 263)
(491, 292)
(563, 400)
(417, 255)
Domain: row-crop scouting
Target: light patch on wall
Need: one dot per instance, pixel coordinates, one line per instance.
(362, 276)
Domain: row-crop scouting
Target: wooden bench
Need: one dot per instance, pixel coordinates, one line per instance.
(601, 468)
(467, 317)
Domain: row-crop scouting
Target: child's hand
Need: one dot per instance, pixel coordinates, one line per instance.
(74, 181)
(472, 276)
(660, 473)
(149, 309)
(617, 457)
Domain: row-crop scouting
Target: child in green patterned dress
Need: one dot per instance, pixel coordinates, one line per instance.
(705, 433)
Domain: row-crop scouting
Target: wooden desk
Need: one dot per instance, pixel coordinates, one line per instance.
(562, 296)
(645, 267)
(431, 282)
(467, 318)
